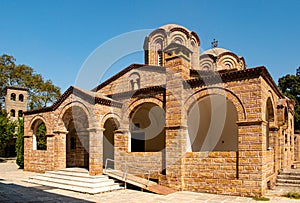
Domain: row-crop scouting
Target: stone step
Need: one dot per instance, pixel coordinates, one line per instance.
(74, 174)
(288, 177)
(289, 181)
(290, 173)
(287, 184)
(71, 181)
(75, 179)
(76, 188)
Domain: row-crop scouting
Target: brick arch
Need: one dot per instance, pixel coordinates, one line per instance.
(36, 118)
(137, 103)
(107, 116)
(217, 91)
(60, 122)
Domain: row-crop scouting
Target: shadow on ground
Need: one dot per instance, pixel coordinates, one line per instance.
(16, 193)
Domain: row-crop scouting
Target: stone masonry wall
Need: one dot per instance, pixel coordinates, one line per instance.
(214, 172)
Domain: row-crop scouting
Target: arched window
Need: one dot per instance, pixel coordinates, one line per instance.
(21, 97)
(13, 97)
(158, 53)
(20, 113)
(12, 113)
(134, 80)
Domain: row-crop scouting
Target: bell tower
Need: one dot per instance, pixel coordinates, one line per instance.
(15, 101)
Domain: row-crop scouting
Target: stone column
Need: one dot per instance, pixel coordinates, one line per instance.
(177, 62)
(96, 151)
(251, 149)
(60, 149)
(50, 151)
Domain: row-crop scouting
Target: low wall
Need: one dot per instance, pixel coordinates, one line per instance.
(140, 163)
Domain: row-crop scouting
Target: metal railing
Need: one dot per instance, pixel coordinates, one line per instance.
(126, 169)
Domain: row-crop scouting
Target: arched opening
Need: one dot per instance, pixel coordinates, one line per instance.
(20, 113)
(147, 128)
(39, 138)
(269, 120)
(21, 97)
(13, 96)
(158, 53)
(12, 113)
(134, 80)
(77, 139)
(110, 126)
(212, 125)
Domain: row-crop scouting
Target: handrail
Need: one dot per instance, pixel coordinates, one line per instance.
(125, 172)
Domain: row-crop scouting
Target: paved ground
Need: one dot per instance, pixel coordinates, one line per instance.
(13, 189)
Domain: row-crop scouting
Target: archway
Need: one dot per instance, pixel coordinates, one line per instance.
(77, 139)
(110, 126)
(212, 125)
(39, 137)
(147, 128)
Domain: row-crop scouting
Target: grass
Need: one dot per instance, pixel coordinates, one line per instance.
(292, 195)
(261, 198)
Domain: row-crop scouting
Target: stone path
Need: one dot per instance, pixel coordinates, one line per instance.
(13, 189)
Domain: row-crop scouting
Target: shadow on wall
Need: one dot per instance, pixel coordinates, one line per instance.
(17, 193)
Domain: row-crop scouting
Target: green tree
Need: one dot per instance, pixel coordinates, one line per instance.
(20, 144)
(290, 87)
(41, 138)
(7, 129)
(41, 93)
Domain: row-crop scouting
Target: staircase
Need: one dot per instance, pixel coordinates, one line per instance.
(289, 178)
(75, 179)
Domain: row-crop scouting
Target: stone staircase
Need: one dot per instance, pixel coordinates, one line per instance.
(290, 178)
(75, 179)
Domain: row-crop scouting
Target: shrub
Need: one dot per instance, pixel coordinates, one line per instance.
(292, 195)
(261, 198)
(20, 144)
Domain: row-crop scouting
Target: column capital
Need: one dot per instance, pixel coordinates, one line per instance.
(60, 131)
(95, 129)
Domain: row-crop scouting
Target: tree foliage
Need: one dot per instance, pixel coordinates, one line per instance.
(7, 129)
(41, 138)
(20, 144)
(290, 87)
(41, 93)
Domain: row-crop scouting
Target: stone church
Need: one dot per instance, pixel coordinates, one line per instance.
(198, 121)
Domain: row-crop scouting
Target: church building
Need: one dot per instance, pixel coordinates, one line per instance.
(200, 122)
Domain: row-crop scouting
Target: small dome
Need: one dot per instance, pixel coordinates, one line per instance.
(215, 51)
(168, 27)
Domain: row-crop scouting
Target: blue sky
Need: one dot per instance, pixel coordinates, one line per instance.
(56, 37)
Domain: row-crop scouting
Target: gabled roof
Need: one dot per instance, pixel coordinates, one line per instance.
(123, 72)
(89, 96)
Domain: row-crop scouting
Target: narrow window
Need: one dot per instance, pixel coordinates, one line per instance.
(20, 113)
(159, 54)
(12, 113)
(73, 142)
(21, 98)
(13, 97)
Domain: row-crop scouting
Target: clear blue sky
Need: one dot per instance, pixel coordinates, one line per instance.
(56, 36)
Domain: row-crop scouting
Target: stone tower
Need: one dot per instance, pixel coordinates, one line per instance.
(16, 101)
